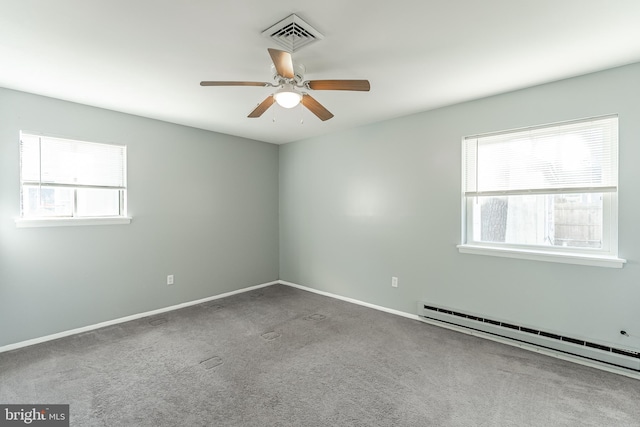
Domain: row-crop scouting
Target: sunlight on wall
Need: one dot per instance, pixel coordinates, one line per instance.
(365, 199)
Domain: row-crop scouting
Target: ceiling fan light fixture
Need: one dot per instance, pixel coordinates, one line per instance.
(287, 97)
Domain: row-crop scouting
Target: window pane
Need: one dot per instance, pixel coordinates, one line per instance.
(47, 201)
(85, 163)
(580, 155)
(30, 158)
(77, 178)
(567, 220)
(98, 202)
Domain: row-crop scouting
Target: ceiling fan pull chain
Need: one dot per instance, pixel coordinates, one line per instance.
(301, 114)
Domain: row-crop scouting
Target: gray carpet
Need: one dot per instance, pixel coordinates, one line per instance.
(279, 356)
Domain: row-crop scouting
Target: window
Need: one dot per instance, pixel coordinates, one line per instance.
(71, 182)
(548, 192)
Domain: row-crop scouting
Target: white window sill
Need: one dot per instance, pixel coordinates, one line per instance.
(63, 222)
(566, 258)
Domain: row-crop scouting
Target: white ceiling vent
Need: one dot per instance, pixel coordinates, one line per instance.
(292, 33)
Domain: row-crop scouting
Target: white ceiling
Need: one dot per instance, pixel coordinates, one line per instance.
(147, 57)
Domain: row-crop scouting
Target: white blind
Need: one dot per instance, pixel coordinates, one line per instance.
(570, 157)
(55, 161)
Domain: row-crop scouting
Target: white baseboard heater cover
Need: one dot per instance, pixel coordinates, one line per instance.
(585, 349)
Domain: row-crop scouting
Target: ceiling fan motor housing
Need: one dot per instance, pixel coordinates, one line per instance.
(298, 70)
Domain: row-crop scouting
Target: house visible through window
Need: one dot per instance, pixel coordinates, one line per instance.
(549, 189)
(63, 178)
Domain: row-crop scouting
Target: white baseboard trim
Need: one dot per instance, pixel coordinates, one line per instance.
(525, 346)
(63, 334)
(351, 300)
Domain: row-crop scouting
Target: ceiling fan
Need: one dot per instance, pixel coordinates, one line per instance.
(291, 86)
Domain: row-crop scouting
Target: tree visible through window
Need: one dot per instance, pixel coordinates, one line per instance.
(545, 188)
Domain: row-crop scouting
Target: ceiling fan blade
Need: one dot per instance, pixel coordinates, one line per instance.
(283, 62)
(316, 108)
(234, 84)
(361, 85)
(262, 107)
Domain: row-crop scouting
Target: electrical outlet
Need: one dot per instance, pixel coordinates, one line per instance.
(170, 279)
(394, 282)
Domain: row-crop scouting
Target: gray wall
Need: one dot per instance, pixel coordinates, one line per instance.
(356, 208)
(204, 207)
(384, 200)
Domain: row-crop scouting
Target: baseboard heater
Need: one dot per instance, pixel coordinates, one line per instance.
(576, 347)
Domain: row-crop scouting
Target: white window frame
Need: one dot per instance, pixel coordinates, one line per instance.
(605, 257)
(73, 219)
